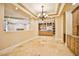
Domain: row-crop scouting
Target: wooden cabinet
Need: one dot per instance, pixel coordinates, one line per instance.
(77, 47)
(73, 40)
(73, 44)
(68, 41)
(46, 33)
(47, 29)
(78, 23)
(75, 15)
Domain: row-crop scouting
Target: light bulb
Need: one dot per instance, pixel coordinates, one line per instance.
(39, 15)
(44, 14)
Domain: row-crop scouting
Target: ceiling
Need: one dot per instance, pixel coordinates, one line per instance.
(33, 9)
(50, 8)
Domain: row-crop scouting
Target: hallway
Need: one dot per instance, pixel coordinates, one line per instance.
(41, 46)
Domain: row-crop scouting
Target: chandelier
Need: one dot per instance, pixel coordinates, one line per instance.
(42, 15)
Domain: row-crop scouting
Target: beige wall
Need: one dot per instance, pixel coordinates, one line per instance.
(59, 28)
(8, 39)
(11, 38)
(68, 23)
(34, 25)
(60, 22)
(1, 16)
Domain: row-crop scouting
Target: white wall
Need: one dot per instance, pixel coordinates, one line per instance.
(17, 23)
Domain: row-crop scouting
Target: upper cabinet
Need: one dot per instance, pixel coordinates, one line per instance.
(75, 23)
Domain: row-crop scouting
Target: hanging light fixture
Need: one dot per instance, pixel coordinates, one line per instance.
(42, 15)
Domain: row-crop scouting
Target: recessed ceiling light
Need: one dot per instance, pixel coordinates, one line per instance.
(16, 8)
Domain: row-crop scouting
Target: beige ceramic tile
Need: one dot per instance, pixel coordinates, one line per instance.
(42, 46)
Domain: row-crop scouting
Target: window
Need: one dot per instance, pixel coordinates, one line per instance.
(11, 25)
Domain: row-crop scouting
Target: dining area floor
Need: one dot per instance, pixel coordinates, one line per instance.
(41, 46)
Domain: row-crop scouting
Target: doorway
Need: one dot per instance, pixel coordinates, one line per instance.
(64, 27)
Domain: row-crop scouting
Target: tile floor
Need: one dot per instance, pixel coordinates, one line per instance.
(41, 46)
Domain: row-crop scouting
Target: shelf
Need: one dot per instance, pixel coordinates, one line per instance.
(46, 27)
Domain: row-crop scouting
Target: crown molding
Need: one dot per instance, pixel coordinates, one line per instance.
(31, 15)
(58, 8)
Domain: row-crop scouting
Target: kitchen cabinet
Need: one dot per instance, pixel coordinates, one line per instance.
(73, 44)
(75, 22)
(73, 40)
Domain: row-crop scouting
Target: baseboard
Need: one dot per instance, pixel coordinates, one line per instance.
(9, 49)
